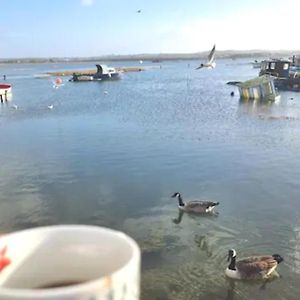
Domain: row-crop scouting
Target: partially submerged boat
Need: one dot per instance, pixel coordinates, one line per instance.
(103, 73)
(284, 77)
(259, 88)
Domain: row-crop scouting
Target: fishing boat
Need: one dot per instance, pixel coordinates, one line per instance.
(5, 88)
(103, 73)
(285, 78)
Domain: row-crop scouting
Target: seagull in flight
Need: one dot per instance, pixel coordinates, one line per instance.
(139, 11)
(211, 60)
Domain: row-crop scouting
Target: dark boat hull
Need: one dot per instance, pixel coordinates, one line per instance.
(288, 84)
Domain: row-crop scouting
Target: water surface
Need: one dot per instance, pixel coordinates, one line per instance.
(113, 159)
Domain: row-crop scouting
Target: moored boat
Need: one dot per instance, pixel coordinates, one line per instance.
(103, 73)
(284, 77)
(5, 88)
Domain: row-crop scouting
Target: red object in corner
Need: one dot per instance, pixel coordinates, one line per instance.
(4, 261)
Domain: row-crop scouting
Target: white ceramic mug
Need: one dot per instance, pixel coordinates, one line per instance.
(86, 262)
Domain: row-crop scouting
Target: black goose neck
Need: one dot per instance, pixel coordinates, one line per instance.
(180, 201)
(232, 264)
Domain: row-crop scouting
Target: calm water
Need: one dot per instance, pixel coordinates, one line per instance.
(114, 160)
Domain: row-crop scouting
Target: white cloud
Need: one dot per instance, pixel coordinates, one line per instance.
(268, 28)
(87, 2)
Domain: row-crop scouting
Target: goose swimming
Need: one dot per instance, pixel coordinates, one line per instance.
(199, 207)
(211, 60)
(254, 267)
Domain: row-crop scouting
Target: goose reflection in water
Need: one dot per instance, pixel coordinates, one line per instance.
(179, 217)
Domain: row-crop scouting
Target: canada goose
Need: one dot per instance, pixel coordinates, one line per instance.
(199, 207)
(254, 267)
(211, 60)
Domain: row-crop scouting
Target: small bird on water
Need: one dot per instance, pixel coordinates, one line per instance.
(14, 106)
(50, 106)
(198, 207)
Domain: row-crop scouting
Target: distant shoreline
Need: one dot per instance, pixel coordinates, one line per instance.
(225, 54)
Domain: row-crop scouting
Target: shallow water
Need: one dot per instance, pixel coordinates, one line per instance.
(114, 160)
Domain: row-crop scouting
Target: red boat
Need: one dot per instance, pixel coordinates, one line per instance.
(5, 88)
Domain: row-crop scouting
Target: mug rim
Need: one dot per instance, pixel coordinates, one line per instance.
(25, 293)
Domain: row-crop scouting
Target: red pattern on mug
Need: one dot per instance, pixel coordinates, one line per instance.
(4, 261)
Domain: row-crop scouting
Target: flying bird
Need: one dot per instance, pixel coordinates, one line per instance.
(211, 60)
(139, 11)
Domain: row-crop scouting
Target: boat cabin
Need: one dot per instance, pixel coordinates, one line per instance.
(277, 68)
(296, 61)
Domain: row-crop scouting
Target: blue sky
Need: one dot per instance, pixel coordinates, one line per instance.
(41, 28)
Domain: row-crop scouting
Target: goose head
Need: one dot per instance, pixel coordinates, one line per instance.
(231, 254)
(176, 195)
(278, 258)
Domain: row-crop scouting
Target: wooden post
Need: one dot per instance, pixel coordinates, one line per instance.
(1, 99)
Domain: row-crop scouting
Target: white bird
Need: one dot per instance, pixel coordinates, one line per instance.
(15, 106)
(105, 92)
(211, 60)
(50, 106)
(254, 267)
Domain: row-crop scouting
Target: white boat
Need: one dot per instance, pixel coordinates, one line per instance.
(103, 73)
(256, 64)
(41, 76)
